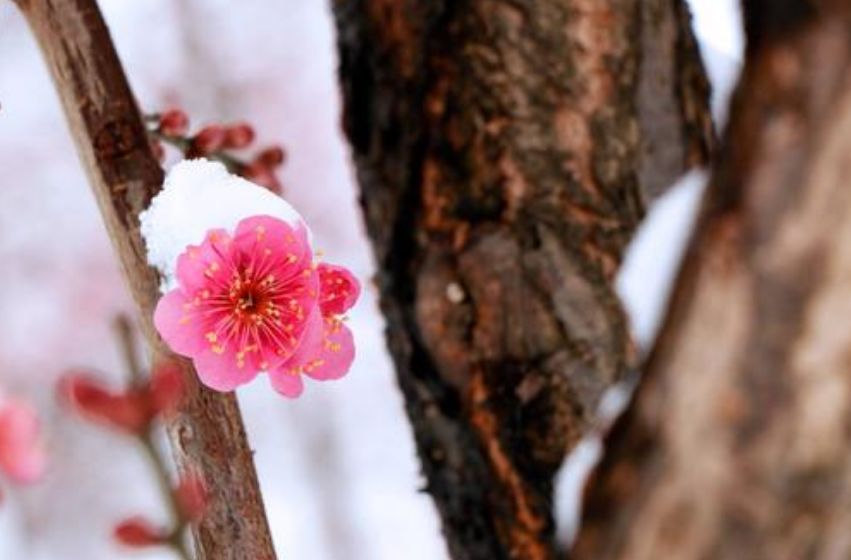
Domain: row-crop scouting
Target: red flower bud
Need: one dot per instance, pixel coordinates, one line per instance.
(271, 157)
(128, 411)
(238, 136)
(263, 176)
(138, 532)
(208, 140)
(166, 388)
(174, 122)
(191, 497)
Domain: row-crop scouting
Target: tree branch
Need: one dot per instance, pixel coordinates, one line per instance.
(207, 435)
(737, 444)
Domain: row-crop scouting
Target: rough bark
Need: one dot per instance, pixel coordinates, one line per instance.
(505, 152)
(207, 434)
(737, 443)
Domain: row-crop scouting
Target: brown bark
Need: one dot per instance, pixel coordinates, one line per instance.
(505, 152)
(737, 444)
(207, 434)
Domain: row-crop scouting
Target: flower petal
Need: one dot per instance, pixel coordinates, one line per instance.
(309, 343)
(174, 319)
(338, 289)
(195, 265)
(280, 254)
(286, 384)
(326, 356)
(220, 372)
(286, 242)
(337, 355)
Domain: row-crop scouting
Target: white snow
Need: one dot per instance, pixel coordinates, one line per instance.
(570, 483)
(718, 25)
(199, 195)
(653, 257)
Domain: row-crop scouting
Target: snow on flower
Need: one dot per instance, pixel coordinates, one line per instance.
(200, 195)
(21, 455)
(245, 294)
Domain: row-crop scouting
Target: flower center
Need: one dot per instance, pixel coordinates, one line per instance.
(257, 311)
(253, 300)
(249, 302)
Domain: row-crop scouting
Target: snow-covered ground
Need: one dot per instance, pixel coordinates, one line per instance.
(337, 466)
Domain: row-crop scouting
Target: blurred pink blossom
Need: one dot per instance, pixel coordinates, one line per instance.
(191, 497)
(22, 457)
(251, 303)
(138, 532)
(131, 410)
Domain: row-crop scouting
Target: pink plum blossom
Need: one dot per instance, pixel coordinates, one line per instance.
(22, 458)
(256, 301)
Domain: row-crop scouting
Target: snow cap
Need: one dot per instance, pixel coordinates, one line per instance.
(199, 195)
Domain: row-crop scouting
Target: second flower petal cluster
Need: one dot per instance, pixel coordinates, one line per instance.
(256, 301)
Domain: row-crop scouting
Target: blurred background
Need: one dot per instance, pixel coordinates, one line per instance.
(337, 467)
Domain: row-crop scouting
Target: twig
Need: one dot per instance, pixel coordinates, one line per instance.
(207, 434)
(147, 439)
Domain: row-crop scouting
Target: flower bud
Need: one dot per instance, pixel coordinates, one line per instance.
(166, 387)
(238, 136)
(191, 497)
(263, 176)
(208, 140)
(138, 532)
(174, 122)
(271, 157)
(128, 412)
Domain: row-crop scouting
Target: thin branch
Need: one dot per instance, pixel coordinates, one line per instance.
(127, 342)
(124, 331)
(175, 540)
(207, 434)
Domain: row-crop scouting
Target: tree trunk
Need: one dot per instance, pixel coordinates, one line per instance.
(737, 443)
(505, 152)
(207, 434)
